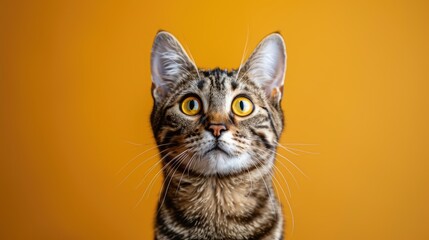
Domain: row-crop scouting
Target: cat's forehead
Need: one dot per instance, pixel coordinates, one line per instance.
(217, 79)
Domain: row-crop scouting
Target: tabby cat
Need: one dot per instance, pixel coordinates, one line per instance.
(217, 133)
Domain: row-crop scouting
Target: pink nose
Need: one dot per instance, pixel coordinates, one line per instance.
(217, 129)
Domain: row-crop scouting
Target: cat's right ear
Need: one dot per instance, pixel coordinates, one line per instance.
(267, 66)
(169, 63)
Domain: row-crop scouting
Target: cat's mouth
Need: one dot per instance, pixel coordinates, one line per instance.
(217, 148)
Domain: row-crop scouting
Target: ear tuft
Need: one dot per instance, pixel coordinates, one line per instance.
(169, 63)
(267, 65)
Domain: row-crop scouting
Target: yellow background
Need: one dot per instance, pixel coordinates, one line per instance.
(75, 103)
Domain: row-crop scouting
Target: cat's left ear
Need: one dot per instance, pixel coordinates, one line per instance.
(267, 66)
(169, 63)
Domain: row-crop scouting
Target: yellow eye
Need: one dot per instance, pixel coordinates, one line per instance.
(191, 106)
(242, 106)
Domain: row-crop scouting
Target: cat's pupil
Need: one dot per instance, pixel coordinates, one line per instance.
(192, 104)
(242, 105)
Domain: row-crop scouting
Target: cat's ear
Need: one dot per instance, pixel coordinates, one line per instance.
(267, 65)
(169, 62)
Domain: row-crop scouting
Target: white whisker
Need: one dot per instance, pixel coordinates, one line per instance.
(133, 143)
(175, 167)
(140, 164)
(299, 150)
(148, 171)
(288, 203)
(186, 167)
(244, 54)
(284, 179)
(301, 144)
(134, 158)
(285, 148)
(156, 175)
(266, 186)
(287, 159)
(292, 163)
(284, 194)
(195, 64)
(290, 173)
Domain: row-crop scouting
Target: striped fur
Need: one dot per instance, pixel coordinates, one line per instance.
(225, 193)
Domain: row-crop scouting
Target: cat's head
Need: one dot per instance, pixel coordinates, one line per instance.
(217, 121)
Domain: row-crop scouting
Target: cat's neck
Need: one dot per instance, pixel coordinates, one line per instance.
(216, 205)
(232, 194)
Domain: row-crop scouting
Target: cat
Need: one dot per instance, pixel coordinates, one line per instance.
(217, 133)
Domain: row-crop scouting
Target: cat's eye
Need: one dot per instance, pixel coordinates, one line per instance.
(191, 106)
(242, 106)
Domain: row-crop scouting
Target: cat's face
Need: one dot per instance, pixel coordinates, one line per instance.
(217, 122)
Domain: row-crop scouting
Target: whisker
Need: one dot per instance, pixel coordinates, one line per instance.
(152, 181)
(196, 68)
(134, 158)
(133, 143)
(244, 54)
(293, 176)
(266, 186)
(287, 169)
(146, 173)
(284, 194)
(194, 162)
(301, 144)
(186, 167)
(288, 203)
(285, 148)
(284, 179)
(244, 74)
(156, 175)
(299, 150)
(292, 163)
(139, 165)
(261, 161)
(175, 167)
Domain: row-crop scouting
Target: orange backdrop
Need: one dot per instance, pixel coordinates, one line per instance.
(75, 104)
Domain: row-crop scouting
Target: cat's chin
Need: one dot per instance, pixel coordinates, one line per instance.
(220, 162)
